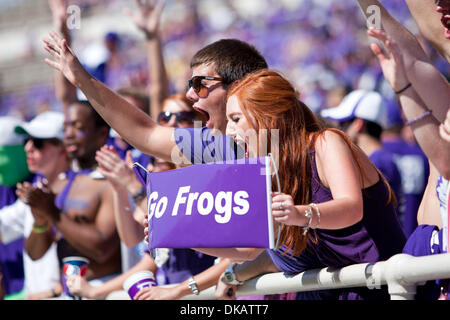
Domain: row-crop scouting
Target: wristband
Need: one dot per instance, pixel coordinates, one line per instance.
(308, 214)
(401, 90)
(193, 286)
(40, 229)
(426, 114)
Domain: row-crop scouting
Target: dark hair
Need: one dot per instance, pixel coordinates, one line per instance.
(98, 120)
(232, 59)
(138, 94)
(373, 129)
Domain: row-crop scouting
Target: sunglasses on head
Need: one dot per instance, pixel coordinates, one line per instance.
(39, 143)
(199, 88)
(182, 116)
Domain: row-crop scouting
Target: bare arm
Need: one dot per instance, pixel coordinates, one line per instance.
(426, 130)
(65, 91)
(37, 244)
(134, 125)
(130, 231)
(428, 21)
(430, 84)
(204, 280)
(429, 212)
(147, 19)
(123, 181)
(240, 254)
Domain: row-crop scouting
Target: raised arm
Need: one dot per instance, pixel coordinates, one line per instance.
(423, 123)
(134, 125)
(41, 237)
(123, 181)
(65, 91)
(429, 83)
(429, 22)
(147, 19)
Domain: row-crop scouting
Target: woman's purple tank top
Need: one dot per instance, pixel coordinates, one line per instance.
(377, 237)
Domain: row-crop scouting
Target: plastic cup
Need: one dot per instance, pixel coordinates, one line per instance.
(137, 281)
(73, 266)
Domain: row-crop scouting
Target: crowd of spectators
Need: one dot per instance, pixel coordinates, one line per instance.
(343, 81)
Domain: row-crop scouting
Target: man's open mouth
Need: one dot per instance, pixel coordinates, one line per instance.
(445, 20)
(205, 114)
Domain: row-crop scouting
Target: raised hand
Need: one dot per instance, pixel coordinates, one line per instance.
(59, 13)
(113, 167)
(41, 200)
(392, 64)
(65, 60)
(148, 16)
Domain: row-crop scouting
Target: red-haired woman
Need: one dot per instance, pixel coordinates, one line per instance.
(335, 209)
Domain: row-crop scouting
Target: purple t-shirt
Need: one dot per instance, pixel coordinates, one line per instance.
(184, 263)
(414, 171)
(384, 161)
(11, 259)
(199, 145)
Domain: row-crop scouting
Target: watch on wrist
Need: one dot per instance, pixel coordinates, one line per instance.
(193, 286)
(230, 276)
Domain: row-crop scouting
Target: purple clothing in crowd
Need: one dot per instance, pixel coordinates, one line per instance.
(11, 259)
(384, 161)
(414, 170)
(377, 237)
(418, 245)
(185, 263)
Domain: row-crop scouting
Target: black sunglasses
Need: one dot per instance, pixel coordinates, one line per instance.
(39, 143)
(199, 88)
(182, 116)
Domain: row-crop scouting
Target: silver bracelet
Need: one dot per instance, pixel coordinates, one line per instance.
(193, 286)
(318, 215)
(308, 214)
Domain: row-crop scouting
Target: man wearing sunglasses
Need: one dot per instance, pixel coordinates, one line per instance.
(46, 157)
(214, 68)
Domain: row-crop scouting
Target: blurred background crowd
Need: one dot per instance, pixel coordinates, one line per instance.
(317, 44)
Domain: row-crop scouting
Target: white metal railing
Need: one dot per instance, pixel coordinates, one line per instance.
(401, 273)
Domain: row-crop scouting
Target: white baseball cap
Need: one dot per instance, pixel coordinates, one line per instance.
(364, 104)
(8, 136)
(45, 125)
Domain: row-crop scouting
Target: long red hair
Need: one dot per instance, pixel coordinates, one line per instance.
(272, 102)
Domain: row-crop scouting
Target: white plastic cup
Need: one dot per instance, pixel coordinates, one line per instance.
(137, 281)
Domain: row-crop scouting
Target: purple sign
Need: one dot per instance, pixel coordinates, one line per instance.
(211, 206)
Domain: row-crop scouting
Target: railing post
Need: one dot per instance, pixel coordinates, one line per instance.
(398, 286)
